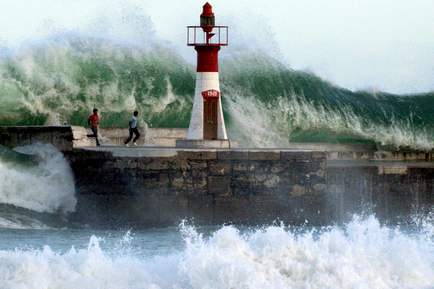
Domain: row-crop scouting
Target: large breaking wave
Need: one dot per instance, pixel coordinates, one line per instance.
(266, 104)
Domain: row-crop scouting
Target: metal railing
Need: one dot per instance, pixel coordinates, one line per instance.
(217, 37)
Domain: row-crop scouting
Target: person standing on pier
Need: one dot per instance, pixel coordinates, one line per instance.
(93, 122)
(133, 129)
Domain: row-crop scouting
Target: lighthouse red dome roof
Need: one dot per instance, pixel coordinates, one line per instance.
(207, 10)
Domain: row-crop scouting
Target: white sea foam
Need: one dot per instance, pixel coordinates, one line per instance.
(21, 222)
(364, 254)
(46, 187)
(253, 123)
(257, 124)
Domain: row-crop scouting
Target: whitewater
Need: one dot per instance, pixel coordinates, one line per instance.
(361, 254)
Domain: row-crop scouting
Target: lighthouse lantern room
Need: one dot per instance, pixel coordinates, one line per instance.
(207, 122)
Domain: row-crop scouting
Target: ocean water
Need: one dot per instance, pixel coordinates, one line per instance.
(361, 254)
(60, 80)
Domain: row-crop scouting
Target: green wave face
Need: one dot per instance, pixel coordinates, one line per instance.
(61, 82)
(10, 156)
(265, 104)
(279, 105)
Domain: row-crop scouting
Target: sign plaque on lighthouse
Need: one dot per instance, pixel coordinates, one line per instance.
(207, 126)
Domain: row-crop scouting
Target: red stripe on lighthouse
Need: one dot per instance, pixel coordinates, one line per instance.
(207, 58)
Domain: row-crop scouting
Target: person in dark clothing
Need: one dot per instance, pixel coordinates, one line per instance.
(133, 129)
(93, 122)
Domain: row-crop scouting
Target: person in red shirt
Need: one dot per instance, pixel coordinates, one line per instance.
(93, 122)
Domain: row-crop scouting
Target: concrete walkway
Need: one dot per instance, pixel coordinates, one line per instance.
(158, 151)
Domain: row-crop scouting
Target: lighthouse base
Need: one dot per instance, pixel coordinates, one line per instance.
(206, 144)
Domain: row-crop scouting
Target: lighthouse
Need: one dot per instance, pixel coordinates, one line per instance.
(207, 126)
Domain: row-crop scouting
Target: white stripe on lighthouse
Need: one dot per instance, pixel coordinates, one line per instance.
(205, 81)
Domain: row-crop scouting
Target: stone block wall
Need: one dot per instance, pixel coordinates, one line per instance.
(396, 193)
(246, 187)
(60, 137)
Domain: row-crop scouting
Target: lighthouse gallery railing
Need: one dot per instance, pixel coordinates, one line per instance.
(196, 36)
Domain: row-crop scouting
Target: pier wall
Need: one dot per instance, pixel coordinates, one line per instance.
(206, 187)
(396, 193)
(61, 137)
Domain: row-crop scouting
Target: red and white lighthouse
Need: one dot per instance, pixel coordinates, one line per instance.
(207, 122)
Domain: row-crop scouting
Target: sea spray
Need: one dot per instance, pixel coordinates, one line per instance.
(365, 254)
(90, 268)
(47, 186)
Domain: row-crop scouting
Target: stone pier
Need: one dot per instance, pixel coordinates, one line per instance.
(146, 187)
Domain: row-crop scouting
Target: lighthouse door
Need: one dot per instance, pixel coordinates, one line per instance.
(210, 118)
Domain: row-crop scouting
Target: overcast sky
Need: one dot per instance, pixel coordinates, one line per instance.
(386, 45)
